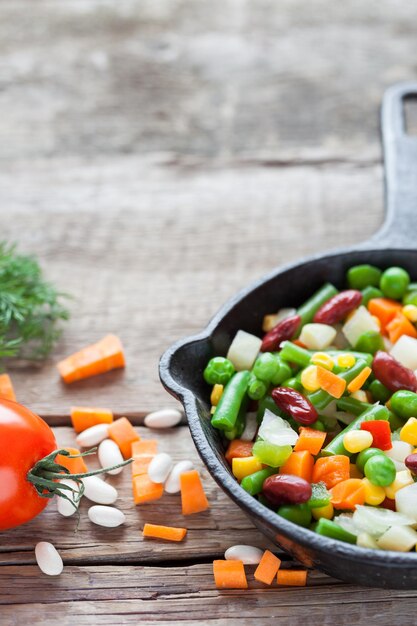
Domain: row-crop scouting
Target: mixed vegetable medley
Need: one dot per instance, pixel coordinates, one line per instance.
(320, 415)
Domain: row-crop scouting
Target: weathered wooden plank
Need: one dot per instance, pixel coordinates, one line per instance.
(183, 595)
(229, 79)
(209, 533)
(150, 252)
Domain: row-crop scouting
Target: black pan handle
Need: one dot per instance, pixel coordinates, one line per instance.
(400, 156)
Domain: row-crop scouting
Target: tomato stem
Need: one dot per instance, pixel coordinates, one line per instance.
(46, 476)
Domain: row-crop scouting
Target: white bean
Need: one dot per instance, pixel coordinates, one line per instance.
(249, 555)
(165, 418)
(93, 436)
(98, 491)
(106, 516)
(48, 559)
(109, 454)
(64, 507)
(159, 467)
(172, 484)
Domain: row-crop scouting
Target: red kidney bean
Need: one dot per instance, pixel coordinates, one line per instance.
(393, 374)
(295, 404)
(286, 489)
(411, 463)
(285, 329)
(336, 309)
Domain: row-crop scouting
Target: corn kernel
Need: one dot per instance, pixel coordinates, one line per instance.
(374, 495)
(408, 432)
(354, 472)
(402, 479)
(323, 359)
(309, 378)
(212, 410)
(245, 466)
(357, 440)
(360, 395)
(410, 312)
(216, 394)
(377, 321)
(346, 360)
(326, 511)
(269, 322)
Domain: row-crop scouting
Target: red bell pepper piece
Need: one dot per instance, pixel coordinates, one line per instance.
(381, 433)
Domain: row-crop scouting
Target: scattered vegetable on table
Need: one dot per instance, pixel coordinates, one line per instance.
(333, 385)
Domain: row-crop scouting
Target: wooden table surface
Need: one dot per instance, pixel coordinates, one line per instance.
(157, 156)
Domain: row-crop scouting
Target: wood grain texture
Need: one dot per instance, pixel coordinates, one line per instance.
(209, 533)
(151, 251)
(185, 595)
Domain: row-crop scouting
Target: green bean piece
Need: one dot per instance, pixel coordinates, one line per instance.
(283, 372)
(380, 470)
(292, 383)
(297, 513)
(330, 529)
(265, 367)
(318, 425)
(254, 482)
(321, 398)
(219, 370)
(364, 456)
(227, 410)
(256, 388)
(361, 276)
(239, 427)
(404, 404)
(363, 356)
(375, 412)
(295, 354)
(369, 293)
(394, 282)
(379, 392)
(308, 310)
(371, 342)
(351, 405)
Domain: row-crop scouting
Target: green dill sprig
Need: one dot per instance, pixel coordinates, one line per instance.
(30, 308)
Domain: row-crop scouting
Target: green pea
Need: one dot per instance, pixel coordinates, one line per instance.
(379, 392)
(361, 276)
(219, 371)
(369, 293)
(265, 367)
(256, 388)
(364, 456)
(404, 403)
(394, 282)
(371, 342)
(318, 425)
(380, 470)
(410, 298)
(297, 513)
(283, 372)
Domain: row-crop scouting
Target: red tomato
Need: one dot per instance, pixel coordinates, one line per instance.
(24, 439)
